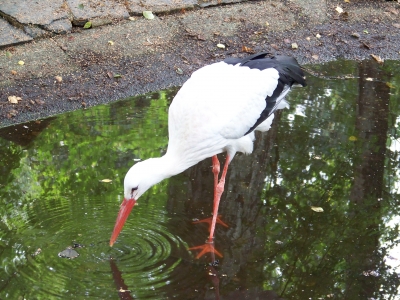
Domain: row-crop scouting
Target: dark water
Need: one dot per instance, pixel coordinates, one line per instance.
(336, 148)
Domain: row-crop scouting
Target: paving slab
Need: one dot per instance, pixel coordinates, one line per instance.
(59, 26)
(84, 10)
(9, 35)
(41, 58)
(159, 6)
(126, 38)
(130, 57)
(227, 19)
(41, 12)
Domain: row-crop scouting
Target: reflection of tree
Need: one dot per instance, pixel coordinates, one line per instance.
(363, 257)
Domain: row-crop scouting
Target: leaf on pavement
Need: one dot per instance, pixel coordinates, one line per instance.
(247, 49)
(148, 15)
(339, 9)
(14, 99)
(377, 58)
(87, 25)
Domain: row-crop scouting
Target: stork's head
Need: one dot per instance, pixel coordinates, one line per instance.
(138, 180)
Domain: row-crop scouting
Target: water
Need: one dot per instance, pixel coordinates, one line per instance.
(336, 148)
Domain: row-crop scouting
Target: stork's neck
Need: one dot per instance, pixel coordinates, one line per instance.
(170, 165)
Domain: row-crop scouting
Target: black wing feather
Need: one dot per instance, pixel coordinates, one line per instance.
(289, 73)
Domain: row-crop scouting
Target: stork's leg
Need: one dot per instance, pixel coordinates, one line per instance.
(218, 190)
(215, 170)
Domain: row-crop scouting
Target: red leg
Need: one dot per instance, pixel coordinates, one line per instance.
(215, 170)
(218, 190)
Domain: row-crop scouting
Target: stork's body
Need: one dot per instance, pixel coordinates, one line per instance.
(215, 111)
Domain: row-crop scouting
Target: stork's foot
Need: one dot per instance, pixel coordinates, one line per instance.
(209, 221)
(206, 248)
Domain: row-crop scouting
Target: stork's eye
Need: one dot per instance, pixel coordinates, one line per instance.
(134, 189)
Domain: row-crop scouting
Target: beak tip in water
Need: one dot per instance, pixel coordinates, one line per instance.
(123, 214)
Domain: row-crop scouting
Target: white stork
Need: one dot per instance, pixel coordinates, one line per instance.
(217, 110)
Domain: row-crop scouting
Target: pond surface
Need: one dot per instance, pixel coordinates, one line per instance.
(336, 149)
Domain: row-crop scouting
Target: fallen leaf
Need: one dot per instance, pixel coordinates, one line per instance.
(58, 78)
(366, 45)
(13, 112)
(365, 31)
(355, 34)
(14, 99)
(80, 6)
(106, 180)
(377, 58)
(8, 54)
(110, 43)
(21, 62)
(40, 102)
(308, 38)
(179, 71)
(315, 57)
(247, 49)
(276, 47)
(87, 25)
(295, 46)
(266, 23)
(132, 18)
(391, 86)
(117, 76)
(339, 9)
(110, 75)
(317, 209)
(352, 138)
(347, 1)
(318, 36)
(148, 15)
(369, 79)
(345, 15)
(13, 72)
(222, 46)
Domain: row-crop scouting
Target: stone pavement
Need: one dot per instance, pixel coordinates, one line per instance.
(24, 20)
(59, 66)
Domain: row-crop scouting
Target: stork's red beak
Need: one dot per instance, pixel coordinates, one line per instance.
(123, 214)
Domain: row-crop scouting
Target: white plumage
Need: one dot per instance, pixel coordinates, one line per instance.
(214, 112)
